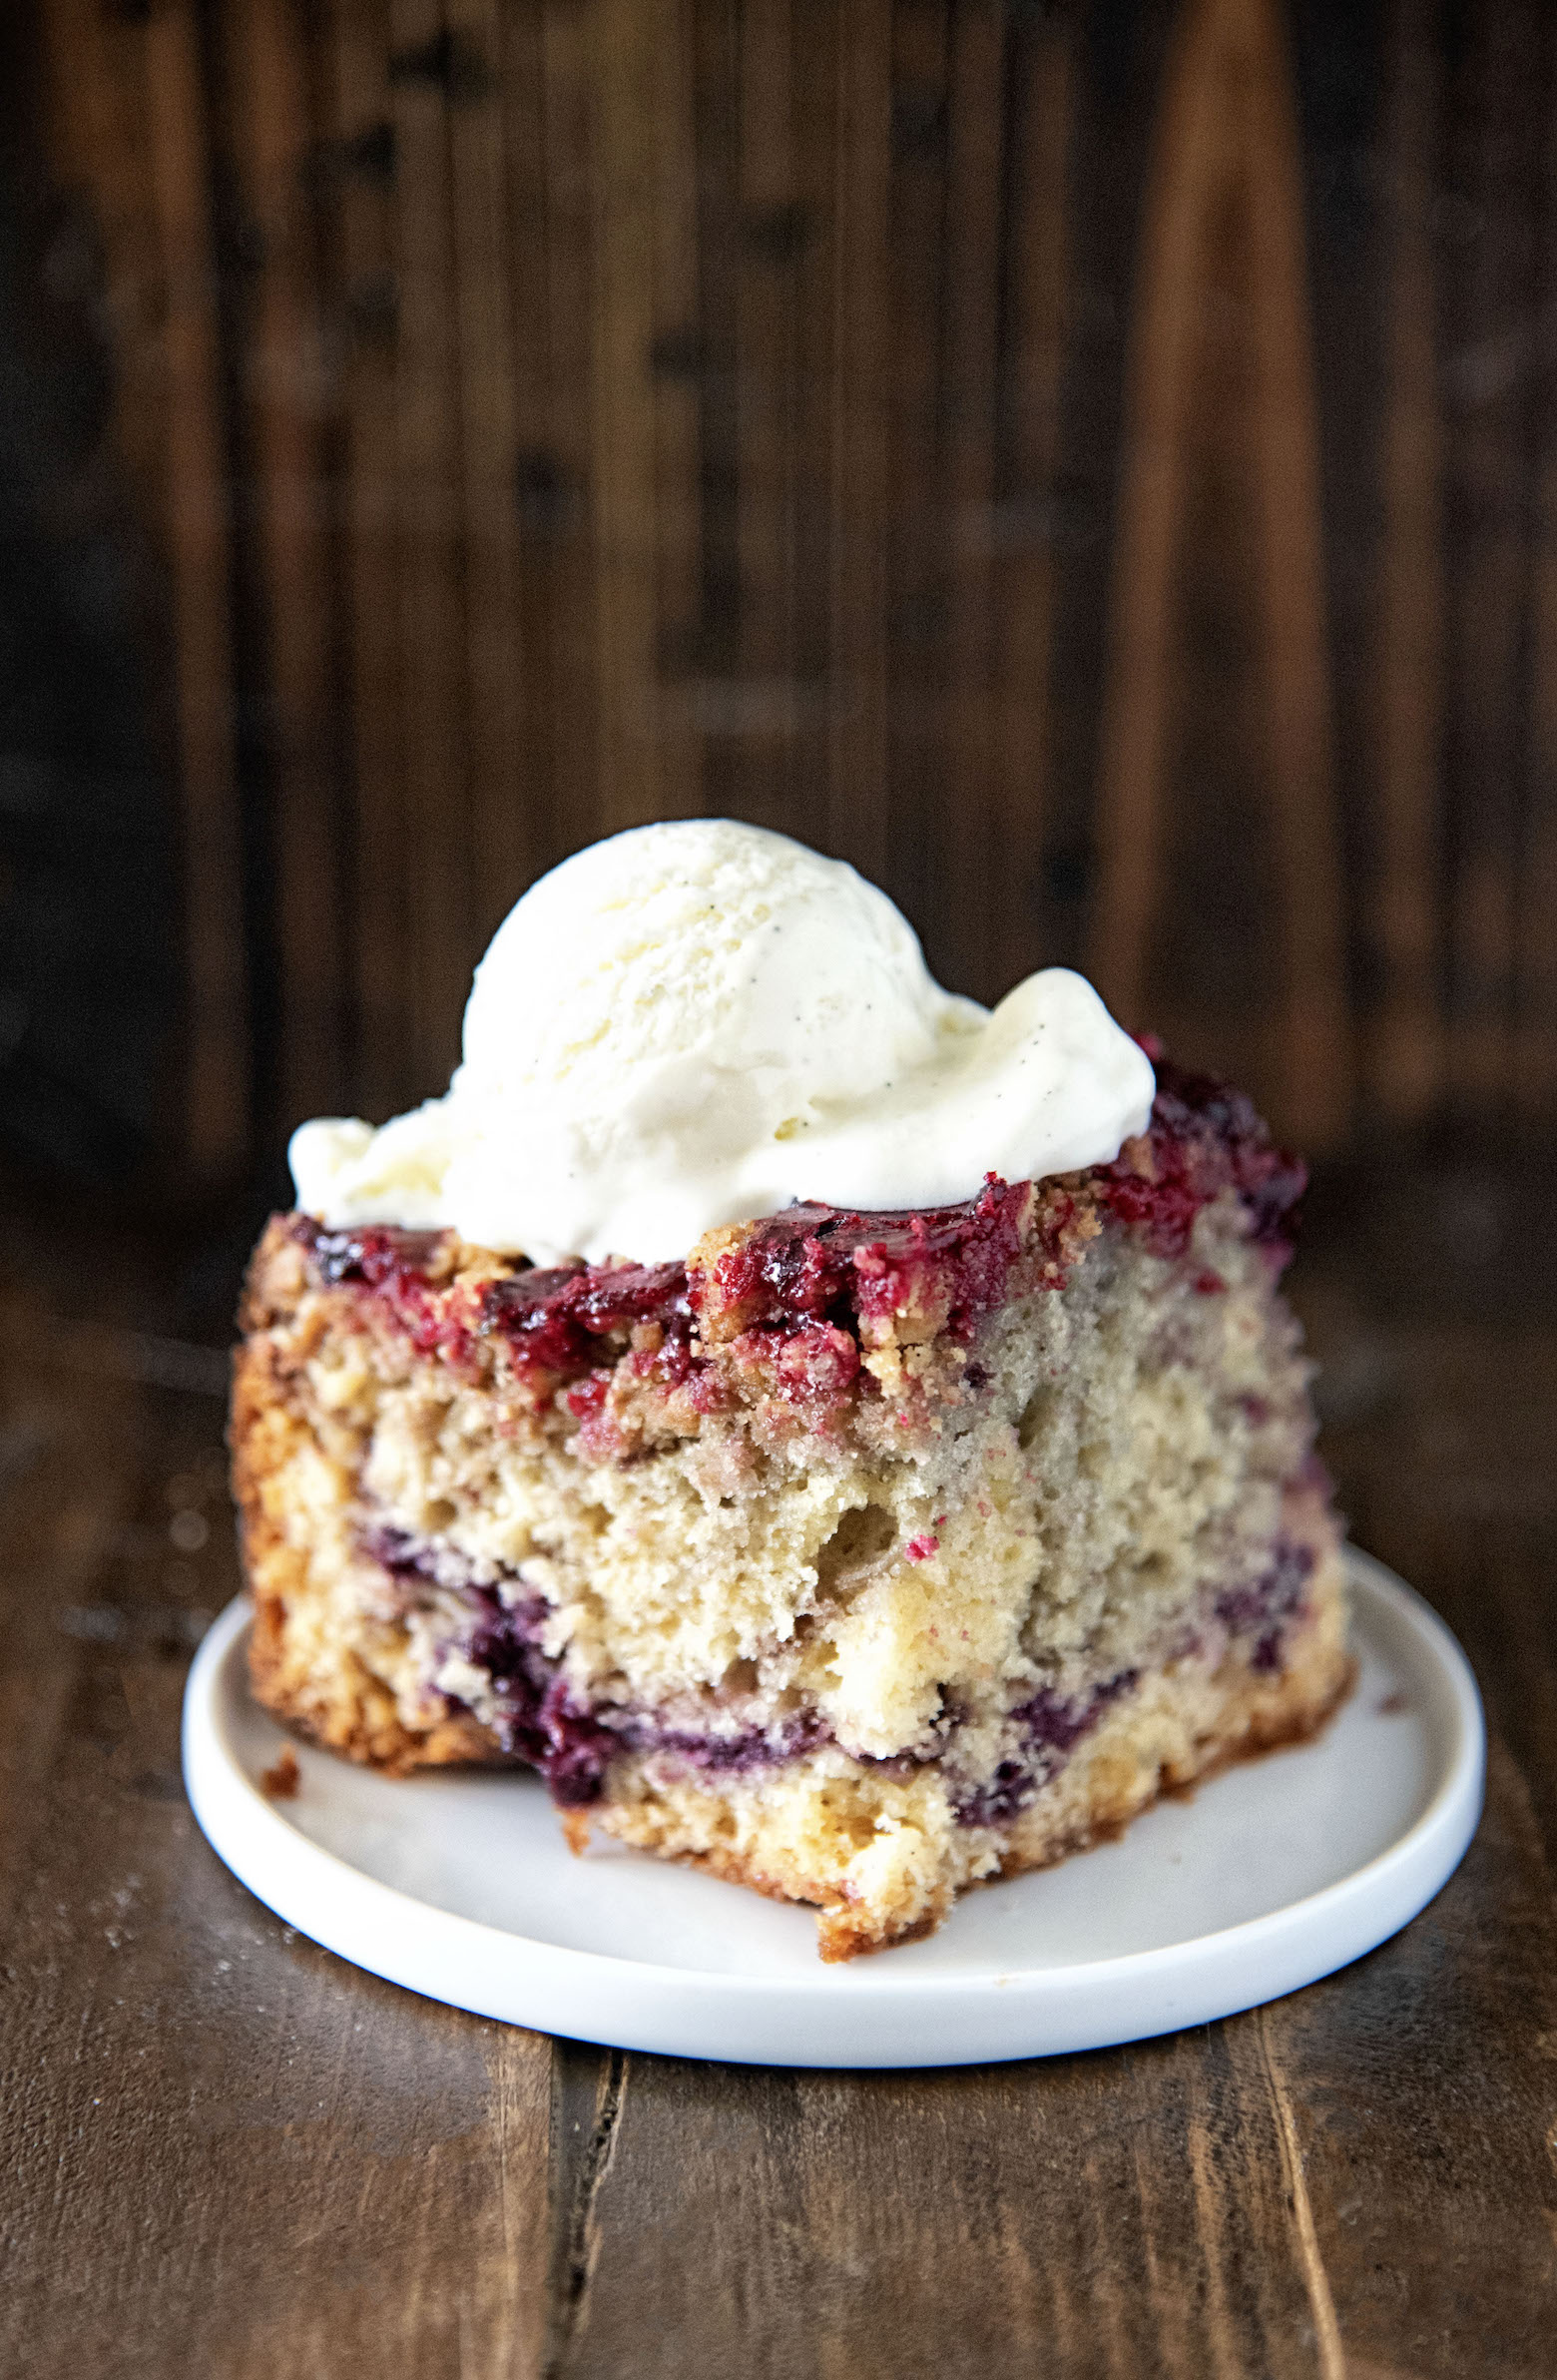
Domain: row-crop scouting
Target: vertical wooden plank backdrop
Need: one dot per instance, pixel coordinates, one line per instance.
(776, 231)
(129, 122)
(429, 78)
(1039, 158)
(904, 423)
(359, 160)
(497, 649)
(975, 165)
(1314, 1054)
(284, 402)
(1188, 170)
(1535, 1040)
(916, 617)
(1405, 1044)
(623, 67)
(1495, 155)
(857, 813)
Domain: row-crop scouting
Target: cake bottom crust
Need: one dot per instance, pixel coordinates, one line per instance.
(883, 1862)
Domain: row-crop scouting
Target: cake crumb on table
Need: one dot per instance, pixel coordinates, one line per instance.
(281, 1779)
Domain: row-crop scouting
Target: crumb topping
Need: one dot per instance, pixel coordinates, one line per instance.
(809, 1303)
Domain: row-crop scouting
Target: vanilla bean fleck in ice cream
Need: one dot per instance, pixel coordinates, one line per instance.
(700, 1022)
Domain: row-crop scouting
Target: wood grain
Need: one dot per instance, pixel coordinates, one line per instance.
(814, 120)
(532, 467)
(677, 555)
(556, 490)
(1227, 141)
(577, 411)
(857, 817)
(917, 549)
(437, 851)
(1026, 576)
(95, 104)
(1314, 1038)
(1535, 1037)
(1497, 160)
(772, 230)
(1188, 164)
(287, 405)
(363, 316)
(199, 542)
(624, 64)
(1405, 1055)
(129, 123)
(504, 845)
(976, 175)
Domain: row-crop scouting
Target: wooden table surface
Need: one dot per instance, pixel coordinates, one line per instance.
(227, 2152)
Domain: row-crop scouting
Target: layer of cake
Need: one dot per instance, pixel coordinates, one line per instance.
(883, 1857)
(877, 1523)
(1125, 1448)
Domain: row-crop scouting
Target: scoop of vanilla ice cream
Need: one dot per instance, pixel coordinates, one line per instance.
(699, 1023)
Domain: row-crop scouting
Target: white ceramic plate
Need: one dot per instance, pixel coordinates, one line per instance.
(1274, 1874)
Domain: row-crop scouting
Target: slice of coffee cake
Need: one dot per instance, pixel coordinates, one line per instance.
(859, 1557)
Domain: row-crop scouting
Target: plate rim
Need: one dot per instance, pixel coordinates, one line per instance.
(258, 1843)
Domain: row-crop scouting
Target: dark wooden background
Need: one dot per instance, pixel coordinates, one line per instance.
(1093, 466)
(1096, 467)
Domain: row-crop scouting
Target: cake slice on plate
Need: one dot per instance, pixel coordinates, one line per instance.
(858, 1553)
